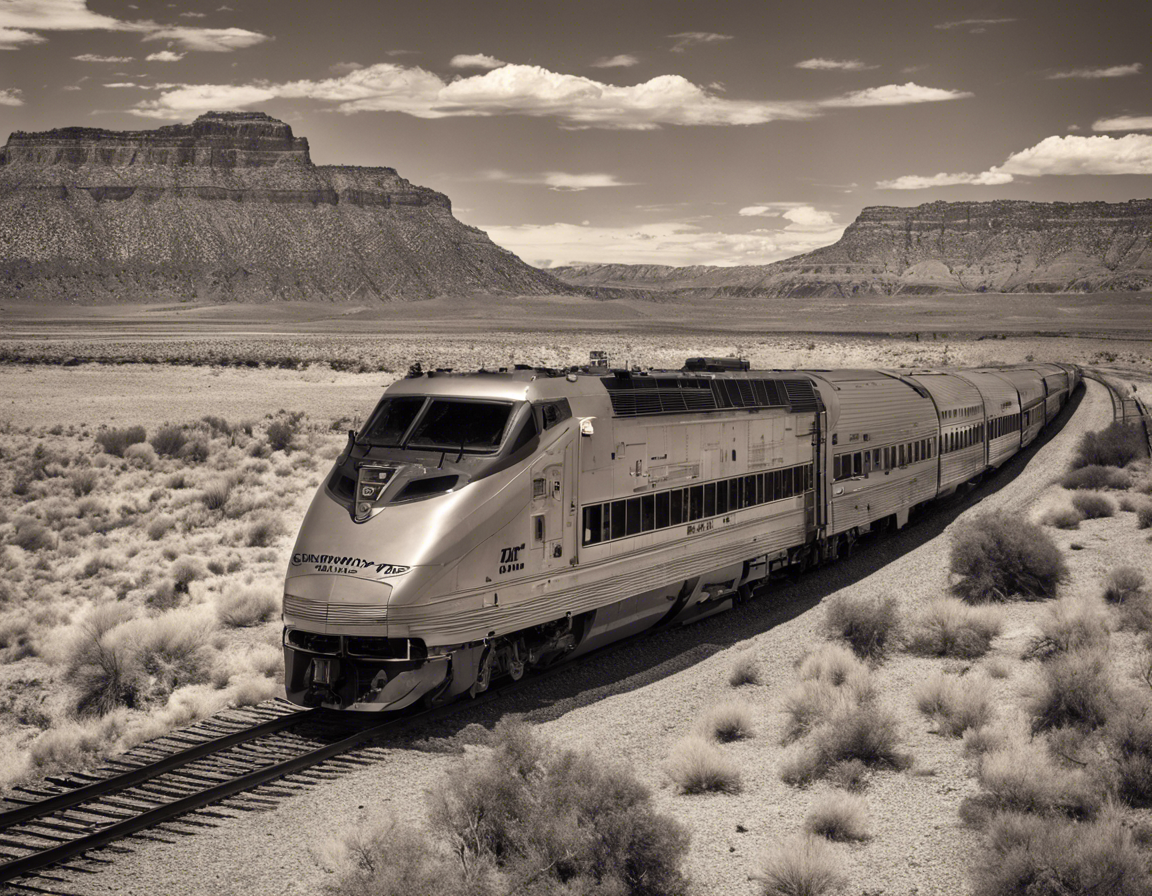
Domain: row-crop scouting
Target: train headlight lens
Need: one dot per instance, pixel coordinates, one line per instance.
(372, 482)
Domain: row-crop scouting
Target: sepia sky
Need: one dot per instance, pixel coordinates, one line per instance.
(643, 132)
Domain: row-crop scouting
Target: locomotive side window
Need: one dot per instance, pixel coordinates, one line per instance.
(659, 510)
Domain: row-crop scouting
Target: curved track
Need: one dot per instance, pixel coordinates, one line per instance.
(1126, 408)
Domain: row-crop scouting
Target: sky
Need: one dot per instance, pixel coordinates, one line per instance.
(635, 132)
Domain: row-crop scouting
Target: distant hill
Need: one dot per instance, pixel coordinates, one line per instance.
(229, 208)
(940, 247)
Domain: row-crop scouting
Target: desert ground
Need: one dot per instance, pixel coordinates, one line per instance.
(169, 550)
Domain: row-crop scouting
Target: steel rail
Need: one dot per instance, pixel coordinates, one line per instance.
(144, 773)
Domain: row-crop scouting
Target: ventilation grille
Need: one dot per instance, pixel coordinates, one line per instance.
(640, 396)
(334, 614)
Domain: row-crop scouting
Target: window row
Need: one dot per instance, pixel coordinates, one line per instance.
(1002, 426)
(956, 413)
(660, 510)
(962, 438)
(859, 463)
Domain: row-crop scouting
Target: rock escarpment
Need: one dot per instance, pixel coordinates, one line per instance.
(941, 247)
(229, 208)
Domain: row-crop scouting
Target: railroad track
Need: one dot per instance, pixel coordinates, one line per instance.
(168, 784)
(1126, 408)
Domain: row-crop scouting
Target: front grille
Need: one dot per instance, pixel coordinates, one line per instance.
(334, 614)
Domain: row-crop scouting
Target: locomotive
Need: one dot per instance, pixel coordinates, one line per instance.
(483, 524)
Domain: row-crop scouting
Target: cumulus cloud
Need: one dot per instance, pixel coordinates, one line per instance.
(577, 101)
(20, 20)
(164, 56)
(806, 219)
(343, 68)
(123, 84)
(821, 64)
(95, 57)
(686, 39)
(669, 242)
(10, 96)
(894, 95)
(623, 60)
(1070, 155)
(560, 181)
(1124, 123)
(191, 15)
(476, 60)
(1113, 71)
(976, 25)
(767, 209)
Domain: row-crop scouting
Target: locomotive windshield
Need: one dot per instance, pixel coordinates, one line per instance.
(438, 424)
(464, 425)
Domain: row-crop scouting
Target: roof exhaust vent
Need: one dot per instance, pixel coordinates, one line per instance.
(716, 365)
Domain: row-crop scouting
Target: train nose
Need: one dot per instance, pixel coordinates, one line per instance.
(337, 605)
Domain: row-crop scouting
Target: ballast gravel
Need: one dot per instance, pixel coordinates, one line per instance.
(632, 705)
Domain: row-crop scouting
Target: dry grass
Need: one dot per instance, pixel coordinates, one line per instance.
(696, 765)
(868, 624)
(838, 816)
(1072, 689)
(193, 591)
(745, 670)
(728, 721)
(1123, 584)
(867, 733)
(1065, 518)
(1071, 623)
(955, 704)
(951, 628)
(1021, 776)
(1097, 477)
(832, 680)
(802, 866)
(1117, 445)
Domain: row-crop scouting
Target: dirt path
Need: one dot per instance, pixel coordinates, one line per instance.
(637, 703)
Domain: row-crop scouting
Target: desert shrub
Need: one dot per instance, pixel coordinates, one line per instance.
(247, 605)
(833, 680)
(851, 775)
(217, 424)
(1056, 857)
(215, 494)
(281, 434)
(1093, 505)
(1062, 518)
(998, 555)
(997, 667)
(866, 623)
(1022, 776)
(83, 482)
(745, 670)
(1129, 739)
(177, 481)
(838, 816)
(263, 533)
(31, 535)
(168, 440)
(1071, 689)
(1127, 504)
(160, 526)
(1096, 477)
(948, 627)
(1144, 516)
(1115, 446)
(566, 818)
(195, 451)
(164, 595)
(955, 704)
(1071, 623)
(802, 866)
(987, 738)
(728, 721)
(114, 441)
(1123, 584)
(100, 666)
(385, 858)
(185, 571)
(866, 732)
(696, 765)
(170, 650)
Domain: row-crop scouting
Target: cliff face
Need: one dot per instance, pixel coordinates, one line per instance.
(229, 208)
(941, 247)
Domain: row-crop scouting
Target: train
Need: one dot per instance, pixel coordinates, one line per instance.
(480, 525)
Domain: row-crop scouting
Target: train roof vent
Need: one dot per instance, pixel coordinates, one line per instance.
(643, 396)
(716, 365)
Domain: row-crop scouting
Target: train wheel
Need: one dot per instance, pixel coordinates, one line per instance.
(515, 663)
(483, 674)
